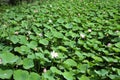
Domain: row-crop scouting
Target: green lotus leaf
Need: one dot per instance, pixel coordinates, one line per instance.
(23, 39)
(102, 72)
(117, 44)
(82, 68)
(28, 63)
(70, 62)
(23, 50)
(97, 59)
(6, 74)
(83, 77)
(48, 75)
(68, 75)
(68, 26)
(14, 39)
(34, 76)
(8, 58)
(44, 41)
(20, 75)
(57, 34)
(32, 44)
(55, 70)
(62, 48)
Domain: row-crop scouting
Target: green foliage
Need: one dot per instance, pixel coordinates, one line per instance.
(61, 40)
(5, 74)
(8, 58)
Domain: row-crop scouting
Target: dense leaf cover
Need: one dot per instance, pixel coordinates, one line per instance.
(61, 40)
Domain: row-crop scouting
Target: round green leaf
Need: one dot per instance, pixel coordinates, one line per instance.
(14, 39)
(44, 41)
(8, 58)
(28, 63)
(32, 44)
(70, 62)
(83, 77)
(5, 74)
(68, 75)
(55, 70)
(20, 75)
(34, 76)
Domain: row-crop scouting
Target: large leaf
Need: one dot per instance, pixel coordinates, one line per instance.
(8, 58)
(6, 74)
(20, 75)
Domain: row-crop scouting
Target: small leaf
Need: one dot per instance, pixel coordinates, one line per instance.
(48, 75)
(34, 76)
(70, 43)
(44, 41)
(41, 57)
(82, 68)
(113, 77)
(68, 76)
(55, 70)
(62, 48)
(98, 59)
(23, 50)
(60, 20)
(117, 44)
(6, 74)
(102, 72)
(20, 75)
(23, 39)
(116, 49)
(32, 44)
(101, 35)
(28, 63)
(14, 39)
(70, 62)
(8, 58)
(68, 26)
(118, 71)
(83, 77)
(80, 55)
(57, 34)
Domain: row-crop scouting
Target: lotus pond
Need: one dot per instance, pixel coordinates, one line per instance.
(61, 40)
